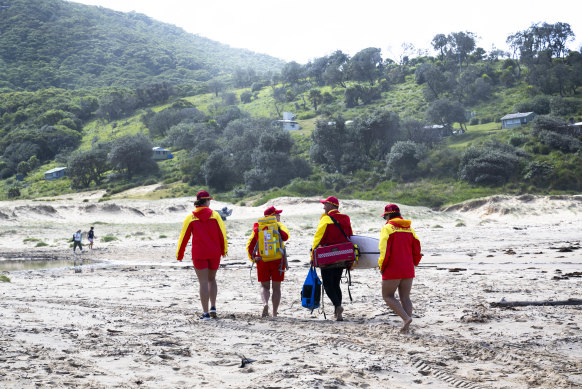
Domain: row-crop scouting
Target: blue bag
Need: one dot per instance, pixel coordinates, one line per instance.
(311, 291)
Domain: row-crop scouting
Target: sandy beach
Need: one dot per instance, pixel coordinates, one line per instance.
(128, 317)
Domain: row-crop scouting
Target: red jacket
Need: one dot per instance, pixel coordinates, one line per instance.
(399, 249)
(208, 233)
(328, 233)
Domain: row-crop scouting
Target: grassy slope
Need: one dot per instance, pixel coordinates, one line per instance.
(405, 99)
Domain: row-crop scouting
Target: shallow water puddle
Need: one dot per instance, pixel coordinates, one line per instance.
(11, 265)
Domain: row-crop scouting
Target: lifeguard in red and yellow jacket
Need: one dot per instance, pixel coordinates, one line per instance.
(209, 243)
(272, 271)
(399, 254)
(328, 233)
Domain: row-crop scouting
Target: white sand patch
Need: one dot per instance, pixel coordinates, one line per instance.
(132, 321)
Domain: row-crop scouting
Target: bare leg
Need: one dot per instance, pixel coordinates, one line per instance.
(212, 287)
(404, 294)
(203, 283)
(276, 296)
(388, 289)
(265, 294)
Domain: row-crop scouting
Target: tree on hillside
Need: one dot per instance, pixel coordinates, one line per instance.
(215, 86)
(434, 79)
(336, 70)
(336, 147)
(218, 171)
(462, 44)
(366, 65)
(132, 154)
(419, 132)
(84, 167)
(446, 112)
(315, 97)
(440, 43)
(316, 68)
(377, 132)
(291, 73)
(403, 159)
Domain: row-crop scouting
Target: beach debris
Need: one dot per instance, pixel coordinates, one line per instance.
(567, 276)
(544, 303)
(479, 315)
(245, 361)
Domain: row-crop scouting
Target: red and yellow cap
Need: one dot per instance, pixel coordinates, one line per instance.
(391, 208)
(331, 200)
(203, 195)
(272, 211)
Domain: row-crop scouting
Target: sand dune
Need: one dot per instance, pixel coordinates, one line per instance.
(131, 320)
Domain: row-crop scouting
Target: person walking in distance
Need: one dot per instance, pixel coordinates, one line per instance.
(329, 233)
(399, 254)
(269, 272)
(77, 237)
(209, 244)
(91, 237)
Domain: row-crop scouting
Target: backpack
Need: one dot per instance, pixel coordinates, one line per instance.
(269, 242)
(311, 291)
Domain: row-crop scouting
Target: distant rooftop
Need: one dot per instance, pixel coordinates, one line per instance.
(516, 115)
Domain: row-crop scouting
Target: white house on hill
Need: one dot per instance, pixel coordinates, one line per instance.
(516, 119)
(288, 123)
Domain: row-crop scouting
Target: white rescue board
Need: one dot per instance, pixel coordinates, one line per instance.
(369, 251)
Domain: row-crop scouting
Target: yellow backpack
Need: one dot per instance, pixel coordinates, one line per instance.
(269, 242)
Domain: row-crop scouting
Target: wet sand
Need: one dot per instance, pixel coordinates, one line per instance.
(131, 320)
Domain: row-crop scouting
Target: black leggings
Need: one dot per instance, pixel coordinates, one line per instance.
(331, 283)
(77, 243)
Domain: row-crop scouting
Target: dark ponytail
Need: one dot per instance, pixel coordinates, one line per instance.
(200, 202)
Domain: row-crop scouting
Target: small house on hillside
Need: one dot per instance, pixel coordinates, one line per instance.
(288, 123)
(160, 154)
(516, 119)
(55, 174)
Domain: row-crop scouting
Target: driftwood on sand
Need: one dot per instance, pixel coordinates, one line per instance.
(503, 304)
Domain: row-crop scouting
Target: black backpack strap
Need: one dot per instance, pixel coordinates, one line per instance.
(338, 226)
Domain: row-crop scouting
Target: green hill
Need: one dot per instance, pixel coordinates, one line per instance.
(54, 43)
(426, 131)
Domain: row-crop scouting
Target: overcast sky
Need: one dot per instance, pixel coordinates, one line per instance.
(301, 30)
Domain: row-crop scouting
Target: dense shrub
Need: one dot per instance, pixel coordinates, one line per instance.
(404, 157)
(547, 123)
(490, 165)
(539, 104)
(538, 172)
(13, 192)
(564, 143)
(560, 106)
(132, 154)
(517, 140)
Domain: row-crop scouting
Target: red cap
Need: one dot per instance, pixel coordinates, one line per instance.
(391, 208)
(331, 200)
(272, 211)
(203, 195)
